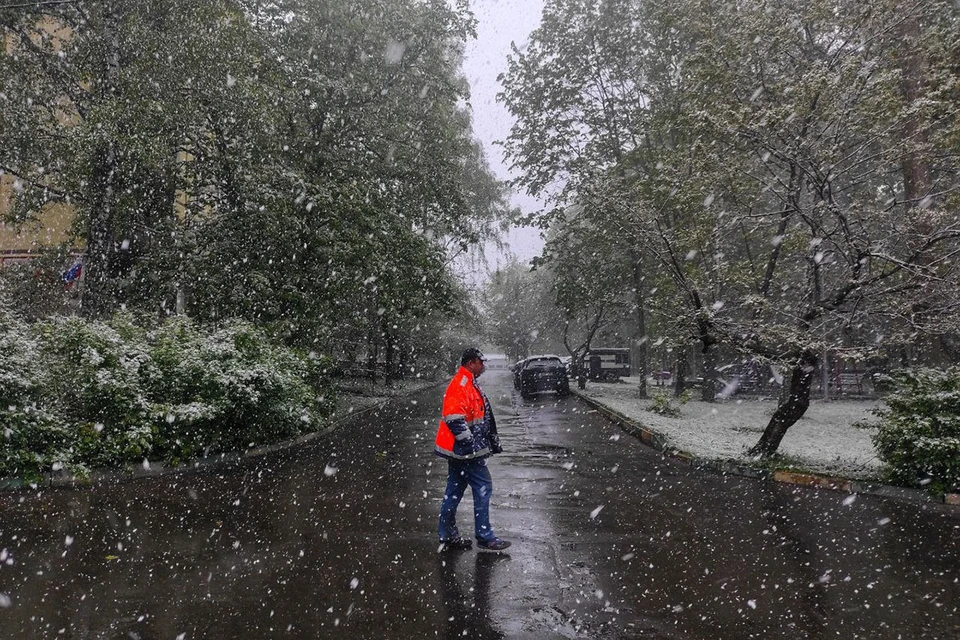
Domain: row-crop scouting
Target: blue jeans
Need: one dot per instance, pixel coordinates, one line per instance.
(460, 473)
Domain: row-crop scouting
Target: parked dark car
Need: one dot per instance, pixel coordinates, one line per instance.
(541, 374)
(516, 368)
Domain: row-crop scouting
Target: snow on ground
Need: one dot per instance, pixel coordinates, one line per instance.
(823, 441)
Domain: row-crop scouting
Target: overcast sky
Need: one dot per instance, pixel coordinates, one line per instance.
(500, 22)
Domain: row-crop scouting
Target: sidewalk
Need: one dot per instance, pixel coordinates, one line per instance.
(358, 395)
(826, 448)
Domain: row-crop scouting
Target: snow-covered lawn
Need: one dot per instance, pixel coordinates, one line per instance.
(825, 440)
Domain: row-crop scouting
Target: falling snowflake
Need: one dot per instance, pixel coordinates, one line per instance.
(393, 53)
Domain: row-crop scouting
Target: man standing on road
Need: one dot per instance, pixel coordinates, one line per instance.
(466, 437)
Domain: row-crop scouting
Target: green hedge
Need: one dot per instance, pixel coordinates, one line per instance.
(919, 435)
(81, 395)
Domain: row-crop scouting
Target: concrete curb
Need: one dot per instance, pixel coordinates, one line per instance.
(151, 468)
(660, 443)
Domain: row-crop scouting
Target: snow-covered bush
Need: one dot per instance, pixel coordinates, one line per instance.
(661, 404)
(31, 440)
(230, 389)
(176, 377)
(266, 396)
(81, 394)
(92, 377)
(919, 434)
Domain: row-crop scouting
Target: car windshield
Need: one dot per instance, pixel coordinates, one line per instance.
(544, 363)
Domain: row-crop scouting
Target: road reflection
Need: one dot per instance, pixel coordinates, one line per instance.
(467, 594)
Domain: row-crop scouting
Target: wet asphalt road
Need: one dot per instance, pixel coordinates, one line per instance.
(337, 540)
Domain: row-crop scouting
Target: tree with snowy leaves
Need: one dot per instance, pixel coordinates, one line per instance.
(792, 172)
(577, 92)
(299, 164)
(518, 305)
(590, 287)
(103, 103)
(383, 183)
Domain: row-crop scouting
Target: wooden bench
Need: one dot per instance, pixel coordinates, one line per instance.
(849, 380)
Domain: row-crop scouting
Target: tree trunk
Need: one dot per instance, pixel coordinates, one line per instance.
(709, 391)
(915, 165)
(643, 354)
(787, 414)
(683, 367)
(389, 353)
(403, 363)
(915, 168)
(784, 396)
(94, 300)
(373, 351)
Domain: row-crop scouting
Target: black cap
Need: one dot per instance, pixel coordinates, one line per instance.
(472, 354)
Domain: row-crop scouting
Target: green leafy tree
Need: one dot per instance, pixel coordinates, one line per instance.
(788, 170)
(519, 310)
(383, 182)
(590, 285)
(100, 99)
(302, 165)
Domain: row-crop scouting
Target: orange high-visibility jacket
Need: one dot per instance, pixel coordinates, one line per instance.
(464, 432)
